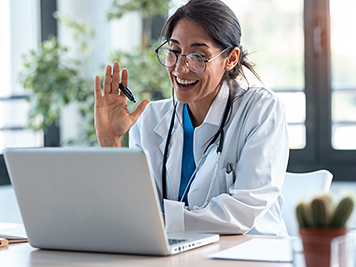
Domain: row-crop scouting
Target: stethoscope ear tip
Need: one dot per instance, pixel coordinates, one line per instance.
(195, 208)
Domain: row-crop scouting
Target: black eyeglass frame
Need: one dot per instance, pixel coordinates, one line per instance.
(185, 58)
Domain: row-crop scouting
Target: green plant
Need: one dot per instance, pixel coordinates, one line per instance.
(53, 84)
(319, 213)
(147, 8)
(55, 79)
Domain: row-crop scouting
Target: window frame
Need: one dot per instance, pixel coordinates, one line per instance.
(319, 153)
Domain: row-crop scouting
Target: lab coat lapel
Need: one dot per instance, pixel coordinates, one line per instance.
(174, 159)
(201, 184)
(210, 126)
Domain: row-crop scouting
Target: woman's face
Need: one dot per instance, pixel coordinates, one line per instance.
(189, 87)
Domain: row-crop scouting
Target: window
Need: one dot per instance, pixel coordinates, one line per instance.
(305, 52)
(273, 35)
(343, 78)
(18, 24)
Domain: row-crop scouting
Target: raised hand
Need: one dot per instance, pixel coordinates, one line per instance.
(112, 118)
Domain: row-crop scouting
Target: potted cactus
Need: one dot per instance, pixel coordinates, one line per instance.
(320, 222)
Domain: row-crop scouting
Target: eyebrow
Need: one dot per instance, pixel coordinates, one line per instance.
(192, 45)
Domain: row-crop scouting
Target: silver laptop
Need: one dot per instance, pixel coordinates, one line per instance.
(92, 199)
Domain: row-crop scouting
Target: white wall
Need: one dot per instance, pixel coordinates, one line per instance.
(124, 34)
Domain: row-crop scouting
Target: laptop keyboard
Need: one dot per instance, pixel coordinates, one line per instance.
(176, 241)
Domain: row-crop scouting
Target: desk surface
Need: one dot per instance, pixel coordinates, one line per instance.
(25, 255)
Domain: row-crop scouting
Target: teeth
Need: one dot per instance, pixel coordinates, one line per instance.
(185, 81)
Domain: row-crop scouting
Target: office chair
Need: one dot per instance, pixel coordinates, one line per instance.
(301, 186)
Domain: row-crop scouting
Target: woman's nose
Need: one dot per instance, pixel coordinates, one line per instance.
(181, 66)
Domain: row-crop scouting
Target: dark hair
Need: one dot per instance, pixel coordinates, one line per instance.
(222, 25)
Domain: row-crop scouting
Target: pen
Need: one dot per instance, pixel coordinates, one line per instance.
(127, 92)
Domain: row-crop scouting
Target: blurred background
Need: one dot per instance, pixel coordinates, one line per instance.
(51, 50)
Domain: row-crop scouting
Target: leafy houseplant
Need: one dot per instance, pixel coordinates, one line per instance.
(53, 84)
(56, 80)
(319, 222)
(147, 78)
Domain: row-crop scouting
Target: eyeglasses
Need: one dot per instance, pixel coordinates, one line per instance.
(195, 62)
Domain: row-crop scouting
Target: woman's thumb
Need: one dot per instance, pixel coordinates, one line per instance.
(139, 109)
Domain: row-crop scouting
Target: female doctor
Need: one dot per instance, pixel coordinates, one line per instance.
(218, 151)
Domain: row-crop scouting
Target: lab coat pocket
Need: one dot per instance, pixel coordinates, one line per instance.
(226, 179)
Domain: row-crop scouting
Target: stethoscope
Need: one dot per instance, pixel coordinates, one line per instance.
(220, 133)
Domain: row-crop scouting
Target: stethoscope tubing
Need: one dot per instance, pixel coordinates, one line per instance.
(206, 202)
(202, 159)
(164, 170)
(200, 162)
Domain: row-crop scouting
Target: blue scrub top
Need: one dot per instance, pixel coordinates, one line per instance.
(188, 162)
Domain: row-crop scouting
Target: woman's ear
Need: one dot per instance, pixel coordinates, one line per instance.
(232, 59)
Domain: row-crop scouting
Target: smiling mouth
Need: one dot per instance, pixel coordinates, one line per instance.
(186, 83)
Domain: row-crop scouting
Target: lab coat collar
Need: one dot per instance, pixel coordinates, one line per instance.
(174, 163)
(217, 108)
(163, 125)
(214, 115)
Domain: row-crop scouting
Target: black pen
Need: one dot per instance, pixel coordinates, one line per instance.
(127, 92)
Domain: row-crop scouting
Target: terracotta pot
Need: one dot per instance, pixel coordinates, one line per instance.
(317, 244)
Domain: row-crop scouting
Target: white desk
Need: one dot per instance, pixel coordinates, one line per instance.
(19, 255)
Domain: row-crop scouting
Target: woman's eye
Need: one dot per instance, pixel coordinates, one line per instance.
(198, 56)
(174, 51)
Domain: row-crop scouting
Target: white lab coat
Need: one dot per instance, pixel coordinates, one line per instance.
(246, 200)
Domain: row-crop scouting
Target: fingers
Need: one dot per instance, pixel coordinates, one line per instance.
(111, 82)
(107, 80)
(124, 77)
(97, 89)
(139, 109)
(115, 78)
